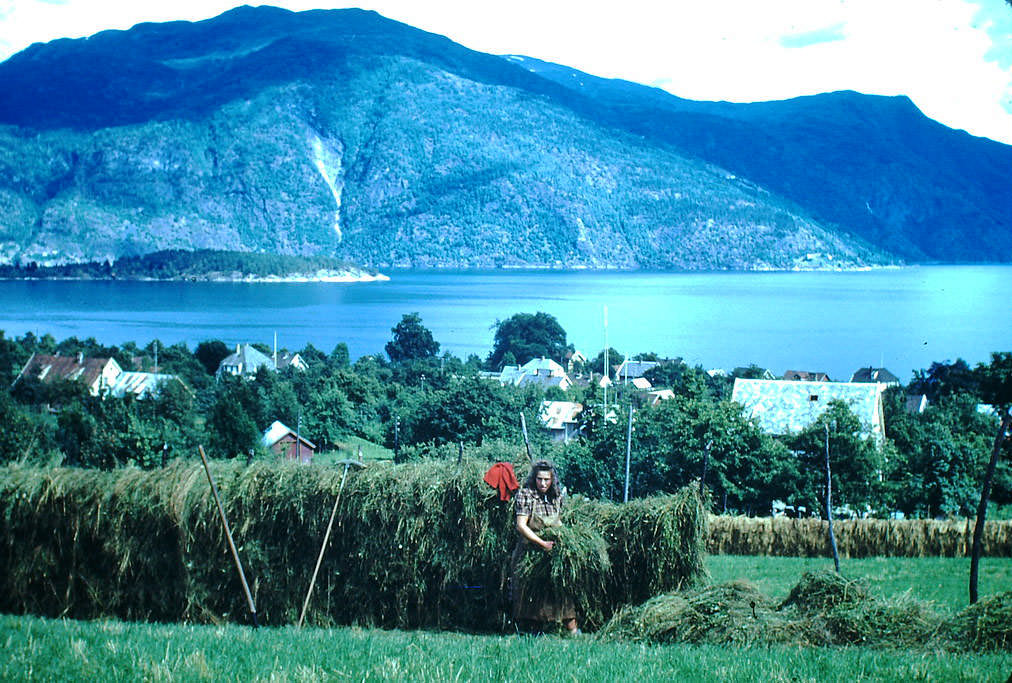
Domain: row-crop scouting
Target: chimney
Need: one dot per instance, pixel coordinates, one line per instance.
(80, 357)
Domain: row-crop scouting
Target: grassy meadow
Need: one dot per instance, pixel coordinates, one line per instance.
(50, 649)
(46, 649)
(943, 581)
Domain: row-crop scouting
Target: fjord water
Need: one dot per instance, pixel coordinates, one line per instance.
(835, 322)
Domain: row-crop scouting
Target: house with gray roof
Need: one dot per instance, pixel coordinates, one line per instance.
(880, 375)
(633, 369)
(560, 418)
(247, 361)
(140, 384)
(787, 407)
(544, 372)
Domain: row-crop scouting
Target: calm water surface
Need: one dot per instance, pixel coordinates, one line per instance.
(834, 322)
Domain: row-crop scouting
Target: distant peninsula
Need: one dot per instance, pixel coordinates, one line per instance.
(204, 265)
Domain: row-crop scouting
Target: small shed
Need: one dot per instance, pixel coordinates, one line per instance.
(283, 441)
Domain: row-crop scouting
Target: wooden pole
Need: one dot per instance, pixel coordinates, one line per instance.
(527, 443)
(829, 506)
(628, 456)
(323, 548)
(228, 536)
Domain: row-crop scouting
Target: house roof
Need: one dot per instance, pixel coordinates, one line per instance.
(556, 414)
(141, 384)
(784, 406)
(806, 376)
(631, 369)
(542, 371)
(277, 431)
(47, 368)
(247, 359)
(874, 375)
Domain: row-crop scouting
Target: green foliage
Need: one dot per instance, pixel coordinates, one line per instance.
(527, 336)
(411, 340)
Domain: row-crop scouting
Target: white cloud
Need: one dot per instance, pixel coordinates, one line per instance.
(953, 58)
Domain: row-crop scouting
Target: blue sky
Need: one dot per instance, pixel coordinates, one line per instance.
(953, 58)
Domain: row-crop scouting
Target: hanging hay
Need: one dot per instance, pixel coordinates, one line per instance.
(575, 570)
(855, 537)
(985, 625)
(425, 544)
(656, 544)
(823, 589)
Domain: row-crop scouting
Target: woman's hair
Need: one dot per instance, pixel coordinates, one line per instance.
(554, 491)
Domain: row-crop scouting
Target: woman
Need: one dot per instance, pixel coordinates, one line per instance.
(538, 505)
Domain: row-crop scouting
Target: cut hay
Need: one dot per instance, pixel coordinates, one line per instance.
(734, 612)
(656, 544)
(855, 537)
(576, 569)
(986, 625)
(820, 612)
(822, 590)
(425, 544)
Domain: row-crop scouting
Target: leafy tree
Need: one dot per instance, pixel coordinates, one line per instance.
(945, 379)
(339, 357)
(411, 341)
(855, 460)
(527, 336)
(614, 358)
(210, 354)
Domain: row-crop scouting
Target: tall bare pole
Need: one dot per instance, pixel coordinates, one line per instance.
(829, 506)
(604, 380)
(228, 537)
(527, 442)
(628, 455)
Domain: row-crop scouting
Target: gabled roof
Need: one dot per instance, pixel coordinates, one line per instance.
(277, 431)
(46, 368)
(784, 407)
(631, 369)
(542, 371)
(245, 361)
(806, 376)
(874, 375)
(556, 414)
(141, 384)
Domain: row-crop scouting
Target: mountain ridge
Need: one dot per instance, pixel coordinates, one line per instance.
(342, 133)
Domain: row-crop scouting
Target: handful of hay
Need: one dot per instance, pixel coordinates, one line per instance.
(822, 590)
(576, 569)
(986, 625)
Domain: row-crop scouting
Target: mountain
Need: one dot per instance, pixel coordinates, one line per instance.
(342, 133)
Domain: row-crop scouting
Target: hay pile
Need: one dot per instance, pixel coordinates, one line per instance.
(734, 612)
(822, 609)
(855, 537)
(425, 544)
(986, 625)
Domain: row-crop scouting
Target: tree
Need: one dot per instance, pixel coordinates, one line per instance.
(412, 340)
(527, 336)
(855, 459)
(995, 381)
(945, 379)
(210, 354)
(614, 358)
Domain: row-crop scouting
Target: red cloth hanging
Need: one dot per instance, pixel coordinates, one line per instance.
(501, 477)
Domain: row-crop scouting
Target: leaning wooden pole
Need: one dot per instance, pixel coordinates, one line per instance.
(228, 537)
(527, 442)
(323, 548)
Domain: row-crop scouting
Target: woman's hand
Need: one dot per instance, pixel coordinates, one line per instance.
(547, 545)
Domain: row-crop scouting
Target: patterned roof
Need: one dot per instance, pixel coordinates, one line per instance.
(47, 368)
(141, 384)
(785, 407)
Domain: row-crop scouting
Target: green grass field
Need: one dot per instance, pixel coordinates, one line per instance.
(941, 580)
(46, 649)
(41, 649)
